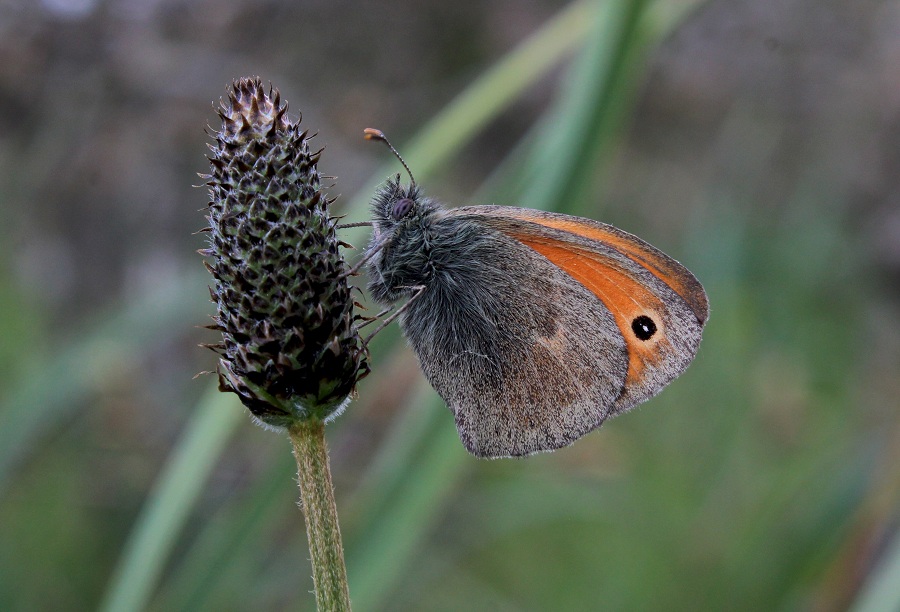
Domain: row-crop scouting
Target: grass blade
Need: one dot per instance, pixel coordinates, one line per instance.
(58, 387)
(881, 592)
(162, 518)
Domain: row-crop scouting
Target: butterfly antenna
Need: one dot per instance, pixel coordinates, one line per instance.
(373, 134)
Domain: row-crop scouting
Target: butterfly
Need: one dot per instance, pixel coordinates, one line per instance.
(534, 327)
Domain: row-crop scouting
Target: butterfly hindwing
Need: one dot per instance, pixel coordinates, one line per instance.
(526, 359)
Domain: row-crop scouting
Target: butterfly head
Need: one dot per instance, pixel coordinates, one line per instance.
(395, 203)
(402, 220)
(399, 208)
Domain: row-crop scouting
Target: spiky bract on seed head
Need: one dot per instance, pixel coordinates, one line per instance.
(290, 348)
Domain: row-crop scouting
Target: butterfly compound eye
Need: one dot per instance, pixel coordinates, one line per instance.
(643, 327)
(401, 208)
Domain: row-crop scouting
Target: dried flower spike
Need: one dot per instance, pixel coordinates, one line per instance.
(290, 347)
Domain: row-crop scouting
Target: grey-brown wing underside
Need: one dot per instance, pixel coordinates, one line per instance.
(527, 359)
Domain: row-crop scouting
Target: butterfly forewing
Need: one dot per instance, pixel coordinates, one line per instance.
(658, 306)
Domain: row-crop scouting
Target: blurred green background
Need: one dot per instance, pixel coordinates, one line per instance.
(758, 143)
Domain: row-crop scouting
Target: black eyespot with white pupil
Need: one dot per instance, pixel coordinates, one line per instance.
(643, 327)
(401, 208)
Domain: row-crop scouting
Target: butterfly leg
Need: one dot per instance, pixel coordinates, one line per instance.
(375, 318)
(420, 289)
(372, 252)
(360, 224)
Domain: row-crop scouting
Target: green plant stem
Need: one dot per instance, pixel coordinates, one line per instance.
(320, 513)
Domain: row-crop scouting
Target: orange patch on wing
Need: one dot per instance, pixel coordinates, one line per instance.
(624, 296)
(667, 270)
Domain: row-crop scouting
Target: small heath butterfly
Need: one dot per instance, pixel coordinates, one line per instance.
(534, 327)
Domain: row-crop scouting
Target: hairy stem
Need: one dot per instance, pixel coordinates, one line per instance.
(320, 513)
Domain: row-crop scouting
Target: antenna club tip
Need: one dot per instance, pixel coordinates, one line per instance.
(373, 134)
